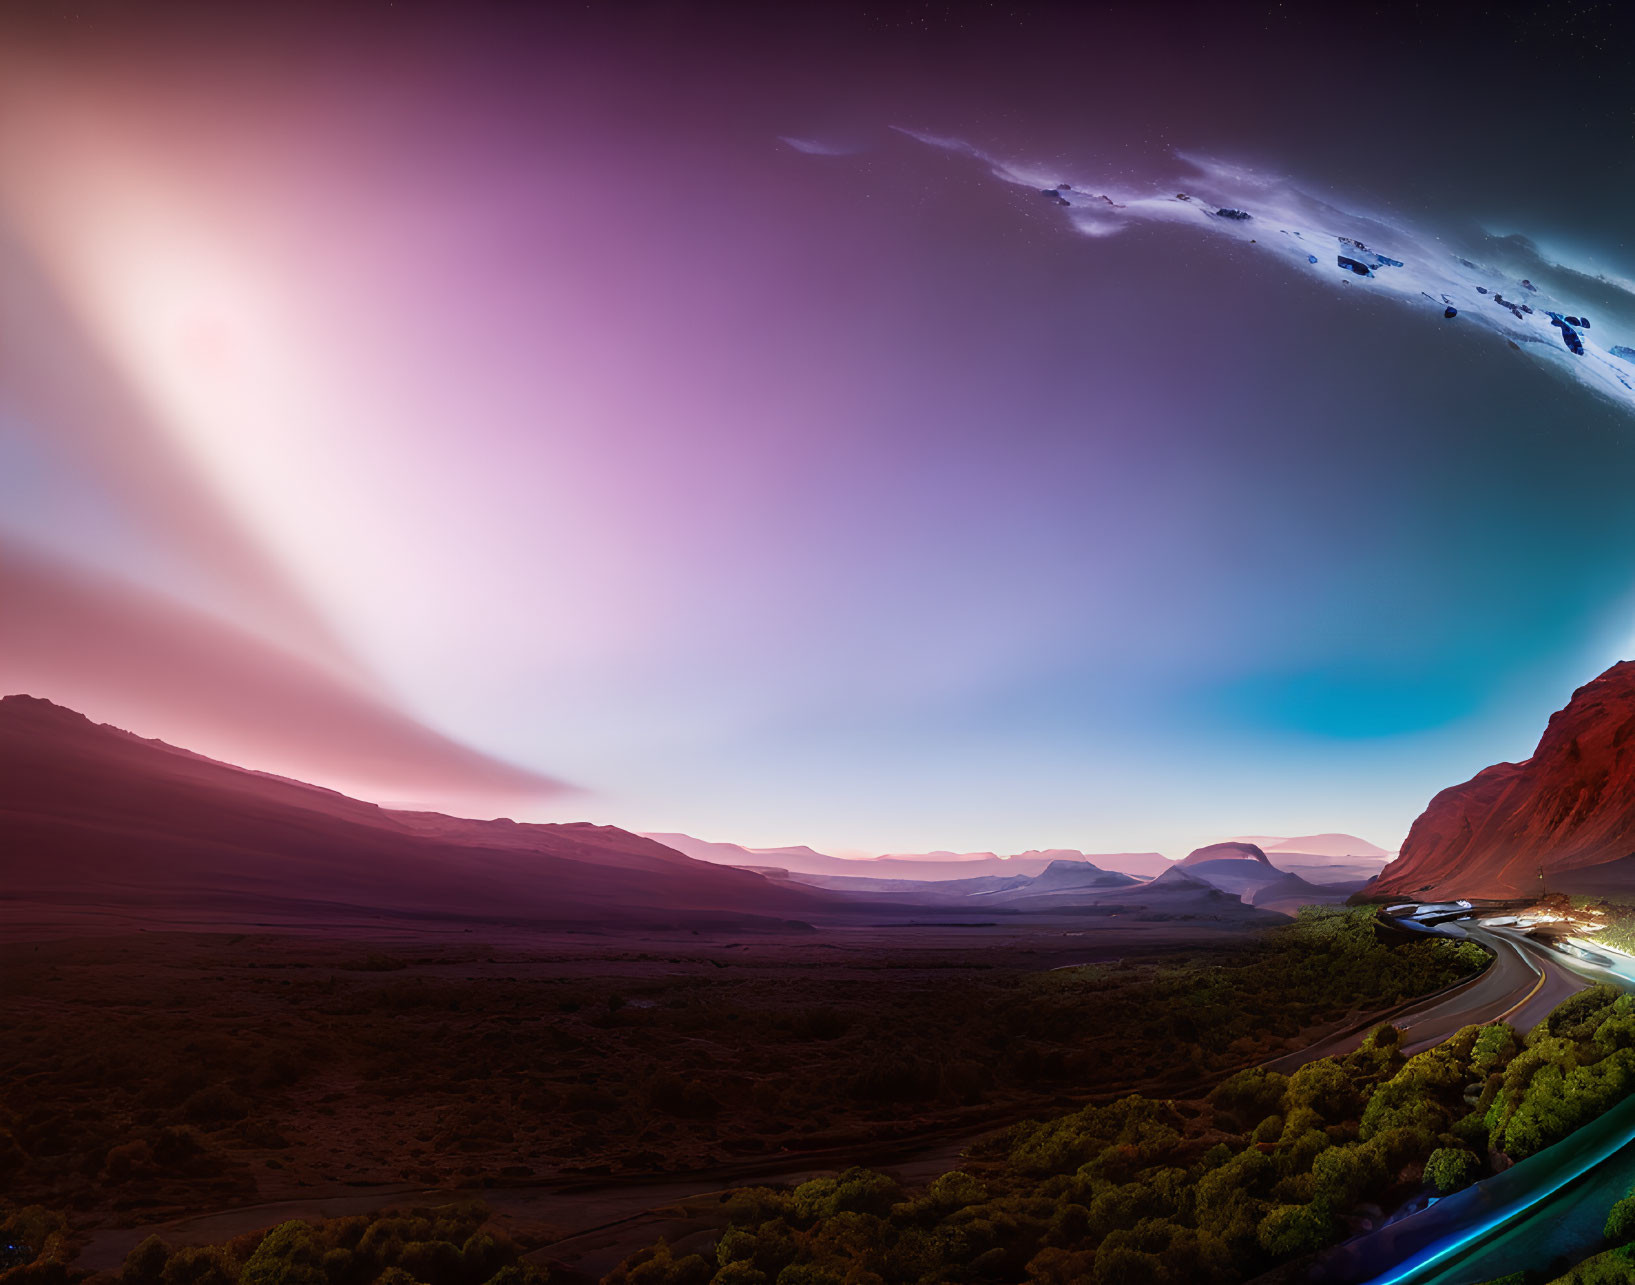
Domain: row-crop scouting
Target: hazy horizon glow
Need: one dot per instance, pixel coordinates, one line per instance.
(448, 412)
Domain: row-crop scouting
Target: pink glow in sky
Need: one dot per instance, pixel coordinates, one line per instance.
(447, 411)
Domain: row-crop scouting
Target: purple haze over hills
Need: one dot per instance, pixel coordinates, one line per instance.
(1349, 854)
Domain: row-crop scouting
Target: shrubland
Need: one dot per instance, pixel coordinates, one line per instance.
(173, 1074)
(1261, 1173)
(185, 1073)
(1265, 1170)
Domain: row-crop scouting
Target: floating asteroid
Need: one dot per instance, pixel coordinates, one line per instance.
(1569, 336)
(1379, 260)
(1355, 265)
(1311, 258)
(1227, 212)
(1450, 312)
(1528, 285)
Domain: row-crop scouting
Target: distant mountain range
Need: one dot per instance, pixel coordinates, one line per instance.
(907, 865)
(1568, 811)
(1336, 857)
(96, 821)
(1315, 845)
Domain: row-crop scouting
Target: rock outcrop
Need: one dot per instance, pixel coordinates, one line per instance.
(1571, 805)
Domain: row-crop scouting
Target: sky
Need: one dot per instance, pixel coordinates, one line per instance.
(695, 418)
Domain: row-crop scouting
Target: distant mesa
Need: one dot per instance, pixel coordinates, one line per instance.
(1570, 807)
(1229, 851)
(1319, 845)
(1078, 874)
(1239, 876)
(1308, 870)
(1177, 877)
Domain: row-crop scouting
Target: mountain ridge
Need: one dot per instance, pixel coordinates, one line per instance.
(932, 866)
(94, 814)
(1568, 806)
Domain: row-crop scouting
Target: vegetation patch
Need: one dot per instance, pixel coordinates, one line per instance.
(1269, 1168)
(171, 1074)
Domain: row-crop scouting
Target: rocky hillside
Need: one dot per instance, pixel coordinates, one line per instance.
(1571, 805)
(92, 816)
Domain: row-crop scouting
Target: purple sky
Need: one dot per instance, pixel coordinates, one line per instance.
(446, 405)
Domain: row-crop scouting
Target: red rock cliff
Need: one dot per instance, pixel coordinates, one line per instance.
(1572, 804)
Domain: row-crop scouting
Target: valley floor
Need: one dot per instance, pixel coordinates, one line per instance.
(154, 1076)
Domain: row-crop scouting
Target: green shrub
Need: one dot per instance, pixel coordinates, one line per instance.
(1249, 1096)
(855, 1191)
(1345, 1175)
(956, 1190)
(1620, 1226)
(1291, 1230)
(199, 1265)
(1450, 1168)
(290, 1254)
(146, 1263)
(1119, 1265)
(738, 1274)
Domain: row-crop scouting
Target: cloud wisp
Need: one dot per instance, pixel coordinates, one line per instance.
(1503, 286)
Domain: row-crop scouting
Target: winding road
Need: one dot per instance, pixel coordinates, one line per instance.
(1542, 1213)
(1521, 986)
